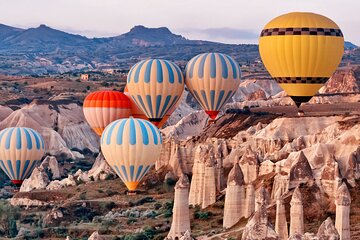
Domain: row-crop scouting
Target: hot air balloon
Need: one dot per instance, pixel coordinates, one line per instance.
(138, 113)
(212, 78)
(103, 107)
(301, 51)
(20, 150)
(131, 146)
(155, 86)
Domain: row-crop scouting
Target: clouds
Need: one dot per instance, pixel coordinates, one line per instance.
(223, 34)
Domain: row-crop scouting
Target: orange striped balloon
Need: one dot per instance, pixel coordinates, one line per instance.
(103, 107)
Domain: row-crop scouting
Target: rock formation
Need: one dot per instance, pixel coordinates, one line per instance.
(266, 167)
(342, 221)
(259, 227)
(181, 218)
(281, 227)
(249, 164)
(281, 184)
(100, 169)
(331, 177)
(296, 213)
(197, 181)
(250, 200)
(300, 171)
(51, 165)
(209, 190)
(37, 180)
(58, 184)
(234, 207)
(328, 231)
(262, 198)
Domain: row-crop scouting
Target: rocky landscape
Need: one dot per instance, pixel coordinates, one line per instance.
(259, 172)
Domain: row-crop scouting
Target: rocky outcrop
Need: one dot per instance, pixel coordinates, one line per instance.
(249, 164)
(209, 190)
(100, 169)
(250, 200)
(281, 227)
(328, 231)
(58, 184)
(281, 184)
(197, 181)
(296, 213)
(234, 207)
(342, 221)
(262, 198)
(53, 218)
(51, 165)
(300, 171)
(330, 177)
(37, 180)
(266, 167)
(181, 218)
(259, 227)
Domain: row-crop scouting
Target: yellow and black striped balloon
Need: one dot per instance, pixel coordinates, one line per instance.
(301, 51)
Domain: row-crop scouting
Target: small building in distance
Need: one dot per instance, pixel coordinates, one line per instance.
(84, 77)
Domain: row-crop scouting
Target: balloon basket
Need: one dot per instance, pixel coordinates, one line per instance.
(212, 121)
(131, 193)
(301, 113)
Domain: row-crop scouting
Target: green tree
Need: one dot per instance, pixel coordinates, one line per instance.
(8, 217)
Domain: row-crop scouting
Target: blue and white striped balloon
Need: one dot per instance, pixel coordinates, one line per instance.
(212, 78)
(155, 85)
(21, 149)
(131, 146)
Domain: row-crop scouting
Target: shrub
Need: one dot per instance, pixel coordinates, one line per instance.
(83, 196)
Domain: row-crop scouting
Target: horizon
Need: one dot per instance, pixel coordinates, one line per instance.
(93, 19)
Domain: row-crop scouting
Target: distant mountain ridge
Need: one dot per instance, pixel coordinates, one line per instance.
(44, 50)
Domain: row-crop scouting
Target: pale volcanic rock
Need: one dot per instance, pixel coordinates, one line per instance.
(281, 185)
(37, 180)
(296, 213)
(51, 164)
(250, 200)
(52, 217)
(81, 176)
(190, 125)
(95, 236)
(4, 112)
(327, 231)
(281, 227)
(209, 190)
(66, 182)
(181, 218)
(249, 164)
(167, 150)
(100, 169)
(330, 177)
(235, 204)
(262, 198)
(252, 89)
(197, 181)
(220, 151)
(26, 202)
(342, 221)
(266, 167)
(258, 227)
(300, 171)
(343, 81)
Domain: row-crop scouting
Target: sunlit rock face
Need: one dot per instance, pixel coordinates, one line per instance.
(57, 124)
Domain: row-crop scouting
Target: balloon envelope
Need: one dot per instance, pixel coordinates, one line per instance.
(20, 150)
(212, 78)
(103, 107)
(131, 147)
(301, 51)
(155, 85)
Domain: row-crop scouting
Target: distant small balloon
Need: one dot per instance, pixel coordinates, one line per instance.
(212, 79)
(21, 149)
(131, 147)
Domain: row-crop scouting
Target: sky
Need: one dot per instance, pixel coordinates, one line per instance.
(229, 21)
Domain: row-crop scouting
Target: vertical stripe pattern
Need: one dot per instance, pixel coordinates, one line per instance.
(211, 76)
(131, 146)
(153, 85)
(21, 149)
